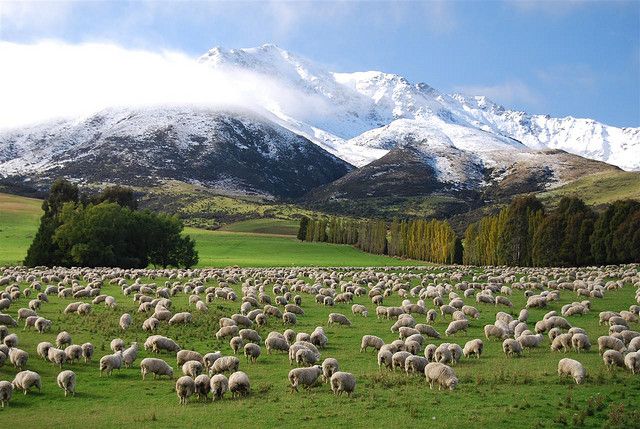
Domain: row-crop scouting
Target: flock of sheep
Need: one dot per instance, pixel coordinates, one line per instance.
(262, 295)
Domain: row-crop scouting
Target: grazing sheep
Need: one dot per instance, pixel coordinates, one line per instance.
(117, 344)
(338, 318)
(289, 318)
(130, 355)
(607, 342)
(456, 353)
(183, 318)
(307, 357)
(572, 368)
(398, 359)
(359, 309)
(632, 361)
(613, 358)
(150, 324)
(530, 341)
(456, 326)
(305, 377)
(385, 358)
(159, 343)
(210, 358)
(11, 340)
(24, 380)
(87, 352)
(125, 321)
(580, 342)
(276, 343)
(250, 336)
(219, 386)
(18, 358)
(329, 367)
(42, 325)
(227, 331)
(511, 347)
(184, 356)
(43, 349)
(236, 343)
(415, 364)
(239, 384)
(430, 352)
(225, 364)
(110, 362)
(155, 366)
(252, 352)
(495, 332)
(67, 382)
(185, 387)
(318, 337)
(73, 352)
(192, 368)
(5, 319)
(562, 341)
(432, 315)
(203, 384)
(343, 382)
(63, 339)
(442, 374)
(6, 390)
(427, 330)
(56, 356)
(473, 347)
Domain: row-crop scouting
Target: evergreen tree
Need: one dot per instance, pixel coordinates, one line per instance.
(302, 230)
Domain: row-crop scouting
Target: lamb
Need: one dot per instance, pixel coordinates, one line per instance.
(18, 358)
(456, 326)
(63, 339)
(130, 355)
(415, 364)
(73, 352)
(183, 318)
(632, 361)
(203, 384)
(613, 357)
(580, 342)
(530, 341)
(572, 368)
(185, 387)
(227, 331)
(219, 386)
(225, 364)
(338, 318)
(252, 352)
(276, 343)
(607, 342)
(343, 382)
(6, 390)
(511, 347)
(385, 358)
(239, 384)
(192, 368)
(184, 356)
(87, 352)
(117, 344)
(67, 382)
(306, 377)
(25, 380)
(329, 367)
(473, 347)
(150, 324)
(442, 374)
(562, 341)
(125, 321)
(155, 366)
(110, 362)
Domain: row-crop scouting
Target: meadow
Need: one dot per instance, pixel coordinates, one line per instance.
(494, 391)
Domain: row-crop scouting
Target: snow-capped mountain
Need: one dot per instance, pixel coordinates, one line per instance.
(357, 103)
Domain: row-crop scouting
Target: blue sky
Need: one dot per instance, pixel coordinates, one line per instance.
(578, 58)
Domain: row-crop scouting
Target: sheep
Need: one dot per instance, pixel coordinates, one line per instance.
(63, 339)
(125, 321)
(18, 358)
(185, 387)
(338, 318)
(183, 318)
(359, 309)
(398, 359)
(239, 384)
(252, 352)
(343, 382)
(67, 382)
(471, 311)
(494, 331)
(236, 343)
(5, 319)
(130, 355)
(502, 300)
(319, 338)
(523, 316)
(23, 313)
(24, 380)
(73, 352)
(289, 318)
(385, 358)
(43, 349)
(42, 325)
(572, 368)
(473, 347)
(249, 335)
(11, 340)
(580, 342)
(562, 341)
(405, 332)
(456, 326)
(412, 346)
(163, 343)
(427, 330)
(219, 386)
(306, 377)
(150, 324)
(432, 315)
(511, 347)
(456, 353)
(210, 358)
(276, 343)
(184, 356)
(192, 368)
(607, 342)
(613, 357)
(442, 374)
(225, 364)
(415, 364)
(227, 331)
(30, 322)
(87, 352)
(6, 390)
(155, 366)
(110, 362)
(430, 352)
(306, 356)
(530, 341)
(203, 384)
(329, 367)
(303, 336)
(632, 361)
(117, 344)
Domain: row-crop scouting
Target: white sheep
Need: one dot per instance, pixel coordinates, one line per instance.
(203, 383)
(415, 364)
(632, 361)
(251, 352)
(24, 380)
(572, 368)
(125, 321)
(338, 318)
(511, 347)
(343, 382)
(63, 339)
(442, 374)
(219, 386)
(67, 382)
(371, 341)
(473, 347)
(225, 364)
(185, 387)
(305, 377)
(239, 384)
(155, 366)
(87, 352)
(6, 390)
(385, 358)
(110, 362)
(613, 358)
(329, 367)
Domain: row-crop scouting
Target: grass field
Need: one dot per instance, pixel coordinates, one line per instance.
(19, 219)
(494, 391)
(598, 189)
(264, 226)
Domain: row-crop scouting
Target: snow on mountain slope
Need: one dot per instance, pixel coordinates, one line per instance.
(356, 103)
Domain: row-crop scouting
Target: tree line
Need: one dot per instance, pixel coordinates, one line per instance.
(106, 230)
(573, 234)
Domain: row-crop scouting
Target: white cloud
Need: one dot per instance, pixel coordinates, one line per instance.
(509, 93)
(51, 79)
(39, 15)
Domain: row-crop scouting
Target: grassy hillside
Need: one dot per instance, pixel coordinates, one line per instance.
(598, 189)
(494, 391)
(260, 242)
(19, 217)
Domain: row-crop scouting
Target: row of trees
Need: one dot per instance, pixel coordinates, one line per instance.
(106, 230)
(573, 234)
(334, 230)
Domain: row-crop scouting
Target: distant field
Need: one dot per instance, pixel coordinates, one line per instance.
(254, 243)
(599, 188)
(19, 218)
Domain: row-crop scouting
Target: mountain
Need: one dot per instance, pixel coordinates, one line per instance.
(234, 152)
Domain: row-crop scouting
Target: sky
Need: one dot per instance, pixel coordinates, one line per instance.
(562, 58)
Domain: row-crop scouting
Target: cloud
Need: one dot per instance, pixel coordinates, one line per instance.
(52, 79)
(33, 15)
(547, 7)
(511, 92)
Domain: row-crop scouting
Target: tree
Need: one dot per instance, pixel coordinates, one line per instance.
(120, 195)
(302, 230)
